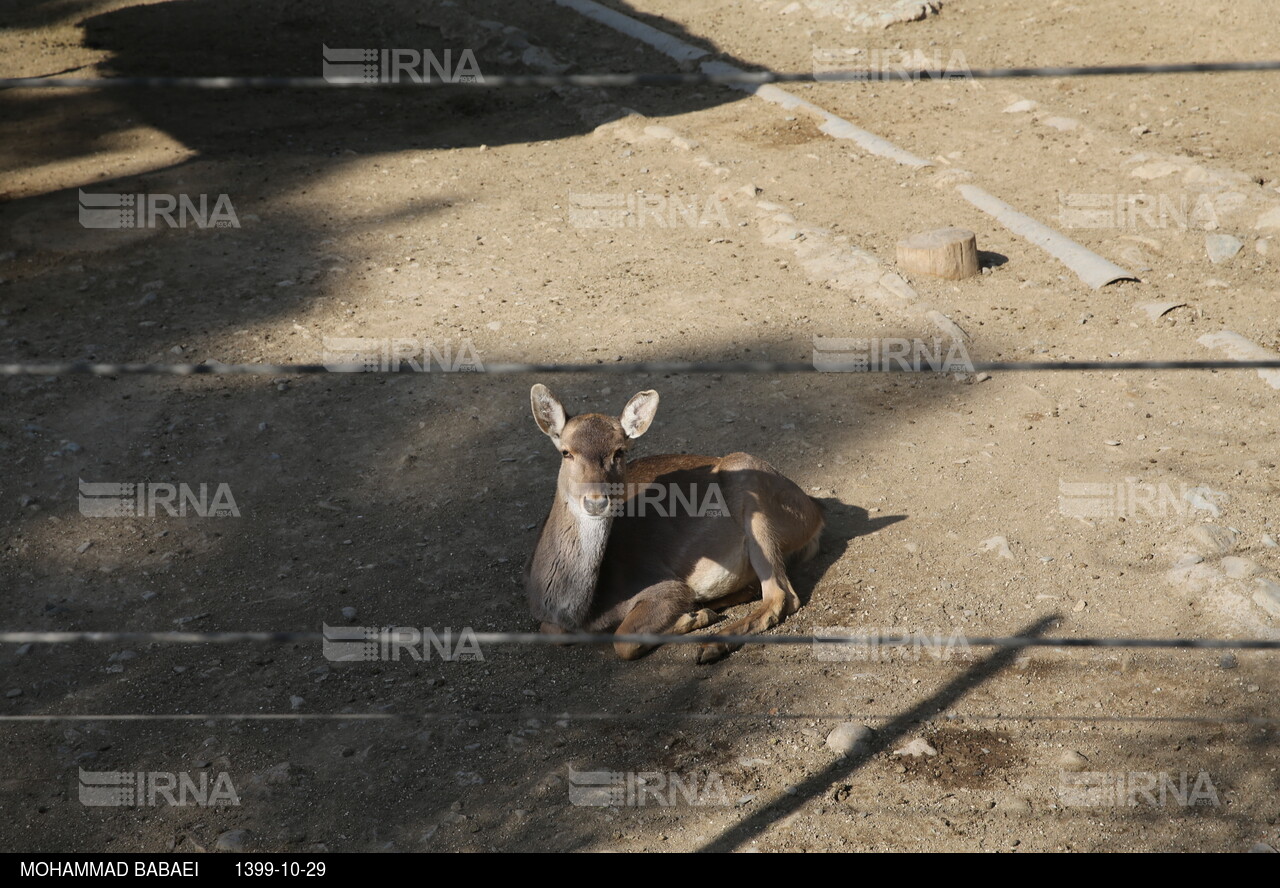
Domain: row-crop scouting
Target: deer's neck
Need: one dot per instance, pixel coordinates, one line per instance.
(565, 567)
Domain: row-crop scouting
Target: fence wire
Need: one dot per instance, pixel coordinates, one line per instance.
(646, 79)
(84, 368)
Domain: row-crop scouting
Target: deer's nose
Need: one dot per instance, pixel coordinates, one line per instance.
(595, 504)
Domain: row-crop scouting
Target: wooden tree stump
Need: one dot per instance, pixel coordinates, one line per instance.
(950, 253)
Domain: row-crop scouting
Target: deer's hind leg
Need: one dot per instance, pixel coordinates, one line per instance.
(664, 608)
(778, 598)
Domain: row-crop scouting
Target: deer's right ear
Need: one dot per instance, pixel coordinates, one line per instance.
(548, 413)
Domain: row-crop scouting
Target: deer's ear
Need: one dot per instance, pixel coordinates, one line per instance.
(638, 413)
(548, 412)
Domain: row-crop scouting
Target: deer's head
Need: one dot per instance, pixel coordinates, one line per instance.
(593, 448)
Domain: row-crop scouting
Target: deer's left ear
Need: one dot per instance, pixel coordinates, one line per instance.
(638, 414)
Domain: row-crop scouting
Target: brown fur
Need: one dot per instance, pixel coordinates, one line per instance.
(655, 573)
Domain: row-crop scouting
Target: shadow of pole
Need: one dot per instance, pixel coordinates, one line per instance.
(881, 740)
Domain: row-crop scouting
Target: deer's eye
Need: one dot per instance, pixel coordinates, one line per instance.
(566, 454)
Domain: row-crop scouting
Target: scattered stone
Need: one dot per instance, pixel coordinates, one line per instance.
(296, 702)
(999, 545)
(1269, 541)
(1228, 661)
(1239, 568)
(1155, 170)
(1019, 107)
(1139, 130)
(1269, 219)
(1072, 761)
(660, 132)
(848, 737)
(1011, 804)
(917, 748)
(13, 692)
(83, 547)
(1212, 540)
(1262, 848)
(348, 613)
(235, 840)
(1222, 247)
(1268, 596)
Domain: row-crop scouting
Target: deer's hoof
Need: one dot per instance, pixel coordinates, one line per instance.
(712, 653)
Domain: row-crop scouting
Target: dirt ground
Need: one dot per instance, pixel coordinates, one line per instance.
(414, 498)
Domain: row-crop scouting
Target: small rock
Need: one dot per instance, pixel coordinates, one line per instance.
(296, 702)
(1019, 107)
(1156, 170)
(1072, 761)
(1239, 568)
(13, 692)
(848, 737)
(1269, 541)
(1062, 124)
(1157, 310)
(1011, 804)
(1212, 540)
(1269, 219)
(1268, 596)
(917, 748)
(1262, 848)
(999, 545)
(1228, 661)
(348, 613)
(233, 840)
(1222, 247)
(83, 547)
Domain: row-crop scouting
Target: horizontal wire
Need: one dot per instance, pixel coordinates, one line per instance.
(393, 635)
(524, 81)
(630, 716)
(84, 368)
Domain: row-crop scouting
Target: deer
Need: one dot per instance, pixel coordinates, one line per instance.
(609, 558)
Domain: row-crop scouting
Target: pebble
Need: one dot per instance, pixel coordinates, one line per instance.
(233, 840)
(1239, 568)
(1019, 107)
(296, 702)
(917, 748)
(1228, 661)
(13, 692)
(848, 737)
(1268, 596)
(1222, 247)
(999, 545)
(1062, 124)
(1269, 219)
(1156, 170)
(1072, 761)
(1212, 540)
(1012, 804)
(348, 613)
(1269, 541)
(1262, 848)
(83, 547)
